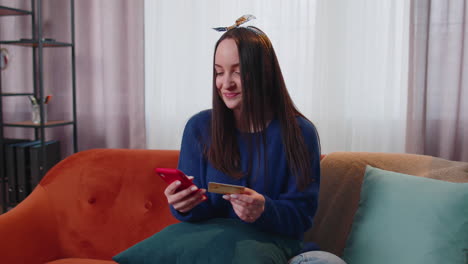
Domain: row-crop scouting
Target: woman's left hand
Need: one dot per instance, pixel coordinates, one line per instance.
(249, 205)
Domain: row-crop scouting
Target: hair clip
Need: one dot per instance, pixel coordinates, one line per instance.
(241, 20)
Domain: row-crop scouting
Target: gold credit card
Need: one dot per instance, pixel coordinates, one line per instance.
(222, 188)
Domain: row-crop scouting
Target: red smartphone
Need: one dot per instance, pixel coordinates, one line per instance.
(170, 175)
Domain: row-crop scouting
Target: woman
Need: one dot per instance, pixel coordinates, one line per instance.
(254, 137)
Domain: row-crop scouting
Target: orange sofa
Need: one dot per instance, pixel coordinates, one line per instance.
(96, 203)
(88, 208)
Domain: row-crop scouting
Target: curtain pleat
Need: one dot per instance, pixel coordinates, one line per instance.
(109, 72)
(438, 72)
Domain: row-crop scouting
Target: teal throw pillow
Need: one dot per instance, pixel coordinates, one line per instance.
(409, 219)
(212, 241)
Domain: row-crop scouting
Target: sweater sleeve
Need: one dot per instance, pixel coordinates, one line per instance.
(292, 212)
(192, 163)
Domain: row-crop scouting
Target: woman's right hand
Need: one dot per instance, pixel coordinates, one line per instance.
(184, 200)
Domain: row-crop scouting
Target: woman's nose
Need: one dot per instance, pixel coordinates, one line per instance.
(228, 82)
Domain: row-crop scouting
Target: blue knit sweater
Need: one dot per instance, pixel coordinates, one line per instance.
(288, 211)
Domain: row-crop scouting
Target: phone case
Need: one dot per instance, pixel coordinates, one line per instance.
(170, 175)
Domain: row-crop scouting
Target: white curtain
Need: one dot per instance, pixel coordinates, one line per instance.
(345, 65)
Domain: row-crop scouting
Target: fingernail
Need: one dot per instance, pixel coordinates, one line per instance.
(178, 182)
(226, 197)
(194, 188)
(233, 196)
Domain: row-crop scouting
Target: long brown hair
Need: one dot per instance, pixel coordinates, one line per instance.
(264, 96)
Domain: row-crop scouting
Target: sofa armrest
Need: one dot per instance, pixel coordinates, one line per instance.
(28, 232)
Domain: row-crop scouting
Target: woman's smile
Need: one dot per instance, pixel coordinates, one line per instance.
(231, 95)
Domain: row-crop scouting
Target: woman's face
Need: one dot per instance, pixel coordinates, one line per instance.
(228, 76)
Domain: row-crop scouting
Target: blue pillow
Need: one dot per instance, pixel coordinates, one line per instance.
(408, 219)
(213, 241)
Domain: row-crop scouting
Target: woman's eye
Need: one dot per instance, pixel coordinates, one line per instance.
(218, 73)
(237, 73)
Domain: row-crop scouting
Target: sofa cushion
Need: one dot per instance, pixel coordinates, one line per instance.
(340, 185)
(408, 219)
(211, 241)
(105, 200)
